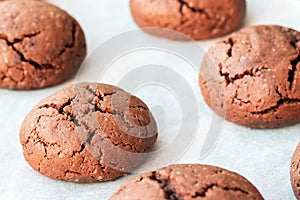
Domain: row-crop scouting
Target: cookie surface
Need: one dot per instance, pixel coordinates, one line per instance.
(295, 172)
(188, 181)
(40, 45)
(198, 19)
(252, 77)
(88, 132)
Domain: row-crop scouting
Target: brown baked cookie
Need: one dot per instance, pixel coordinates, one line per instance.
(188, 181)
(198, 19)
(252, 77)
(295, 172)
(40, 45)
(88, 132)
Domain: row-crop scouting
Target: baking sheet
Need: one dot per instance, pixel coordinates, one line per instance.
(263, 156)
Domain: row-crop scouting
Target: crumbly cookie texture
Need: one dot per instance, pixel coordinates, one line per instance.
(252, 77)
(188, 181)
(198, 19)
(40, 45)
(88, 132)
(295, 172)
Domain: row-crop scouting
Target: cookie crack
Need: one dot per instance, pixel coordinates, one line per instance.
(193, 9)
(11, 78)
(71, 172)
(293, 43)
(165, 185)
(36, 138)
(292, 71)
(231, 44)
(82, 148)
(216, 185)
(29, 35)
(279, 103)
(72, 44)
(45, 148)
(239, 99)
(139, 107)
(8, 77)
(95, 102)
(249, 72)
(101, 96)
(97, 106)
(295, 38)
(22, 56)
(90, 137)
(31, 62)
(61, 110)
(282, 101)
(39, 139)
(100, 156)
(114, 112)
(119, 143)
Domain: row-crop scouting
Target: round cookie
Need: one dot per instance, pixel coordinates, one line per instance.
(88, 132)
(198, 19)
(188, 181)
(252, 77)
(295, 172)
(40, 45)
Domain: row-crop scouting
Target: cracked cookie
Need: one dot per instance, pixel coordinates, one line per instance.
(88, 132)
(252, 77)
(40, 45)
(198, 19)
(188, 181)
(295, 172)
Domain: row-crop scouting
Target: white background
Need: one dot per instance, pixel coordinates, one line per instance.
(263, 156)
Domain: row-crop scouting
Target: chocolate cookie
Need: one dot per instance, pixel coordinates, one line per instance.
(295, 172)
(192, 181)
(40, 44)
(252, 77)
(198, 19)
(88, 132)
